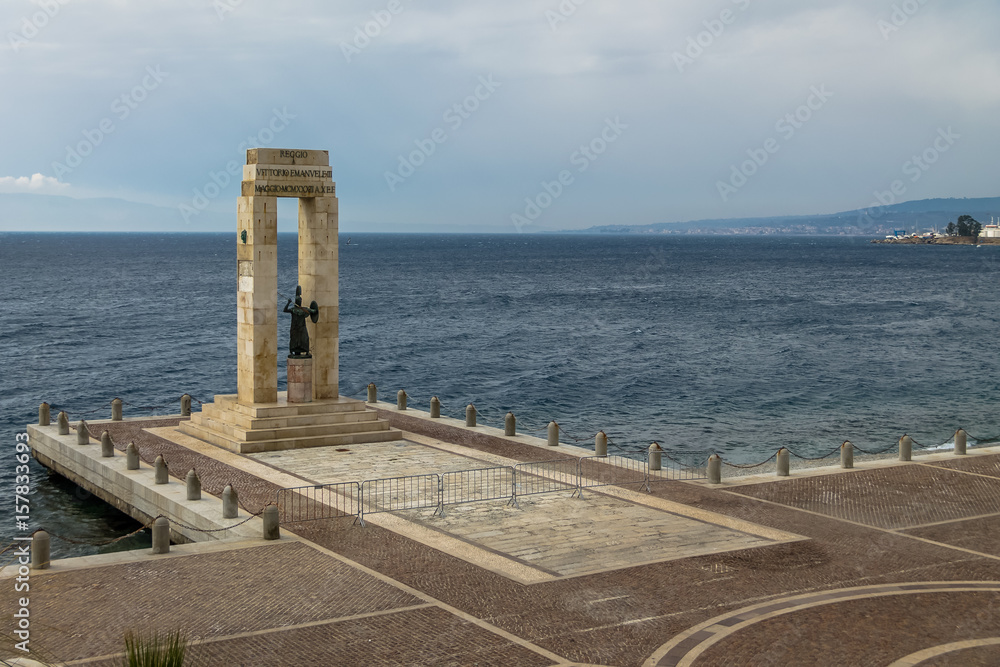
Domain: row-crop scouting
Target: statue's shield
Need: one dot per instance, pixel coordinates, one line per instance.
(314, 315)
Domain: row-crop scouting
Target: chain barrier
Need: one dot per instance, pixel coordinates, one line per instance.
(749, 466)
(213, 530)
(812, 458)
(985, 440)
(876, 452)
(102, 544)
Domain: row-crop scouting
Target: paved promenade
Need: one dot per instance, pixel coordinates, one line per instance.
(887, 564)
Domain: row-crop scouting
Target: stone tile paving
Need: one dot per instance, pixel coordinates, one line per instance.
(897, 497)
(572, 536)
(429, 636)
(874, 631)
(84, 613)
(355, 463)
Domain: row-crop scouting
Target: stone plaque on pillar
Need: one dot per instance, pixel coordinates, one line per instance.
(306, 175)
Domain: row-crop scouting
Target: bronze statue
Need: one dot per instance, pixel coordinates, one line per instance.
(298, 336)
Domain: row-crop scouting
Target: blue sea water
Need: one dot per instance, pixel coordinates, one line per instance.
(738, 345)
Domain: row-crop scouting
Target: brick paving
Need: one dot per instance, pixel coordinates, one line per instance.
(859, 632)
(412, 637)
(897, 497)
(860, 527)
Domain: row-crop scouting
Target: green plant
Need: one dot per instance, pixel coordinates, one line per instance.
(155, 650)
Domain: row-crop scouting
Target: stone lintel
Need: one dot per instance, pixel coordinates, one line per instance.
(288, 156)
(298, 188)
(282, 172)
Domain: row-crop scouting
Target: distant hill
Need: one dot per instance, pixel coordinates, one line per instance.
(923, 215)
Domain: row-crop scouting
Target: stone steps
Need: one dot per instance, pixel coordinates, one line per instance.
(277, 426)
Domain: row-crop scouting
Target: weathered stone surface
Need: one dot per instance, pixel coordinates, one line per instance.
(553, 434)
(107, 447)
(43, 414)
(41, 546)
(193, 485)
(116, 410)
(300, 375)
(287, 156)
(510, 424)
(161, 535)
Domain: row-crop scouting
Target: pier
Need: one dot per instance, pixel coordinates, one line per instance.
(306, 527)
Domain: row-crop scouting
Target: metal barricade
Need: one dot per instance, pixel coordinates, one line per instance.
(672, 470)
(392, 494)
(468, 486)
(612, 470)
(545, 477)
(319, 501)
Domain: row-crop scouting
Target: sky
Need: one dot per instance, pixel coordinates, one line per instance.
(521, 116)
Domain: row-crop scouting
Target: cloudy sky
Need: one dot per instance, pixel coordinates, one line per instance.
(526, 115)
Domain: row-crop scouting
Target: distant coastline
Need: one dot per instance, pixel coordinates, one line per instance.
(940, 240)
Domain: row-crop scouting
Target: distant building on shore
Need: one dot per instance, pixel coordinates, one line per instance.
(992, 230)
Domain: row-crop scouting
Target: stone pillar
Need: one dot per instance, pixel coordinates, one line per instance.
(401, 399)
(257, 298)
(601, 444)
(300, 377)
(161, 535)
(961, 440)
(553, 434)
(131, 457)
(63, 421)
(655, 456)
(905, 448)
(372, 393)
(847, 455)
(782, 463)
(43, 414)
(116, 410)
(230, 503)
(186, 405)
(160, 472)
(41, 546)
(107, 447)
(82, 434)
(193, 485)
(470, 415)
(318, 276)
(270, 517)
(435, 408)
(510, 424)
(714, 469)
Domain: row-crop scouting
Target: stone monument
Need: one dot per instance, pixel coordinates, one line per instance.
(311, 413)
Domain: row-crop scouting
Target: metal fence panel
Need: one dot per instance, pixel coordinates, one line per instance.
(545, 477)
(613, 470)
(320, 501)
(392, 494)
(467, 486)
(677, 471)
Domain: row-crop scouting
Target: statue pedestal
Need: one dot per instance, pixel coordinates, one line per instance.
(300, 379)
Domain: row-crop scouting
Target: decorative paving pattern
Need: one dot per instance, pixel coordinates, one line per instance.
(893, 498)
(853, 626)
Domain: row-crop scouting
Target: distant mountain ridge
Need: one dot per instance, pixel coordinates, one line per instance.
(914, 215)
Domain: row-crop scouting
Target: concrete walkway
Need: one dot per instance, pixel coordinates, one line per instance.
(889, 564)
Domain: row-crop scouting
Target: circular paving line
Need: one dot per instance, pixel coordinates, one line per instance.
(936, 651)
(685, 649)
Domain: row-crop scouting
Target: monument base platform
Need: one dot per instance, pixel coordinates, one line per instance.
(268, 427)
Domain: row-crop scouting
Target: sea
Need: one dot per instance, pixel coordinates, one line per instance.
(738, 345)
